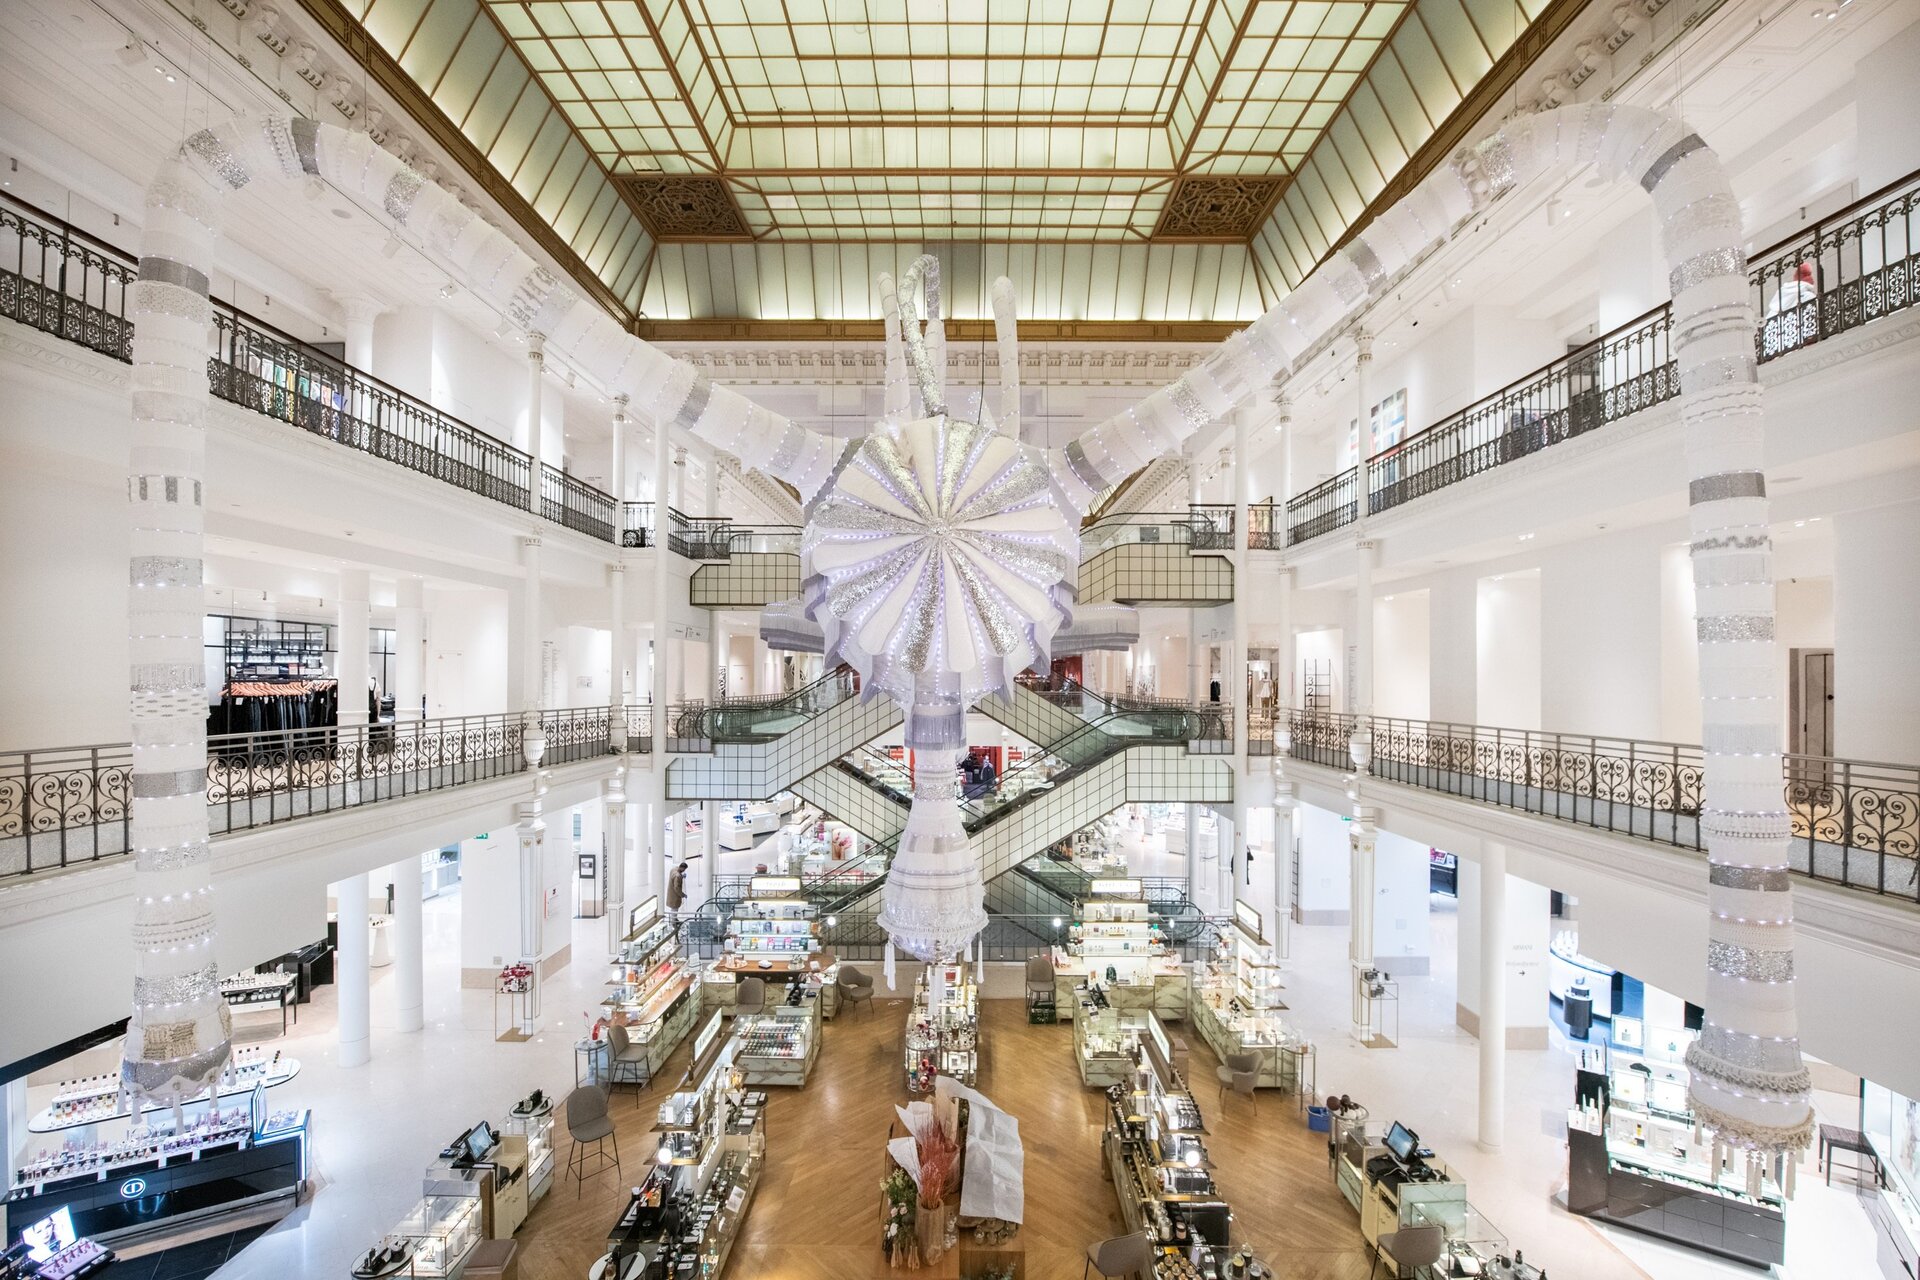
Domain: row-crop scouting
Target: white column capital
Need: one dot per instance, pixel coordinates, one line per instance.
(536, 349)
(530, 542)
(1363, 343)
(358, 309)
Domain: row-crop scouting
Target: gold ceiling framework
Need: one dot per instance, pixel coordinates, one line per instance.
(701, 125)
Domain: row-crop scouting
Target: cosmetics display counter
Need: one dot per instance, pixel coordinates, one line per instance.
(1116, 945)
(148, 1181)
(531, 1120)
(943, 1028)
(1155, 1151)
(1236, 1005)
(1633, 1160)
(654, 994)
(255, 990)
(50, 1249)
(682, 1221)
(780, 1045)
(1104, 1043)
(97, 1100)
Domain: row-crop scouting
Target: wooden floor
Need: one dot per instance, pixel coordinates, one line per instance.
(817, 1216)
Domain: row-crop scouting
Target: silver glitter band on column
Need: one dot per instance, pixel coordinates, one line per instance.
(165, 786)
(1728, 484)
(179, 988)
(1761, 879)
(1670, 157)
(167, 271)
(1722, 371)
(1083, 468)
(1702, 267)
(1739, 740)
(210, 147)
(167, 677)
(403, 188)
(305, 131)
(163, 571)
(1734, 628)
(1186, 401)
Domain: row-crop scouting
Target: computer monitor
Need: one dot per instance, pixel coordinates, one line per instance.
(1401, 1141)
(479, 1141)
(49, 1235)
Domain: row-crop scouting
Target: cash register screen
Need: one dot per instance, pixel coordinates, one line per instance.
(49, 1235)
(1401, 1142)
(480, 1141)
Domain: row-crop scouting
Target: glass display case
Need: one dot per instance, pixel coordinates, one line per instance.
(537, 1129)
(943, 1029)
(772, 924)
(440, 1231)
(1104, 1043)
(1115, 935)
(778, 1046)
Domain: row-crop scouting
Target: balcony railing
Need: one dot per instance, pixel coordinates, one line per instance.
(1855, 823)
(60, 280)
(69, 806)
(1846, 271)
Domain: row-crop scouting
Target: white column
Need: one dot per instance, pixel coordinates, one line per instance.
(1362, 840)
(532, 629)
(532, 832)
(657, 666)
(409, 943)
(710, 833)
(13, 1126)
(1360, 695)
(357, 316)
(1241, 475)
(1196, 651)
(1284, 809)
(618, 487)
(618, 652)
(1493, 995)
(1193, 851)
(615, 827)
(410, 648)
(352, 970)
(350, 642)
(533, 438)
(1231, 836)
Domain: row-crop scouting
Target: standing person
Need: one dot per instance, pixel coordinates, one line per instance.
(676, 891)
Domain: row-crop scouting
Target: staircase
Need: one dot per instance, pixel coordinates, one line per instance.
(762, 746)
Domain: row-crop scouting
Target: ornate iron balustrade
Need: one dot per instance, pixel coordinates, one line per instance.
(636, 524)
(1212, 525)
(1855, 823)
(1260, 726)
(698, 537)
(1327, 506)
(1628, 370)
(574, 503)
(61, 281)
(1847, 270)
(67, 807)
(637, 720)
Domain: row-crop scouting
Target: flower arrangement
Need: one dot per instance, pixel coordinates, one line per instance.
(902, 1246)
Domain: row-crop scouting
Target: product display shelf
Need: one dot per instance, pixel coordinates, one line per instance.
(1155, 1152)
(943, 1030)
(1229, 1028)
(1160, 985)
(97, 1101)
(1634, 1160)
(1256, 971)
(224, 1161)
(682, 1221)
(780, 1046)
(536, 1128)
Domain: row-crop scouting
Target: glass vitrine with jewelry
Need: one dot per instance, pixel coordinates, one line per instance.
(1103, 1041)
(441, 1231)
(534, 1123)
(778, 1046)
(943, 1028)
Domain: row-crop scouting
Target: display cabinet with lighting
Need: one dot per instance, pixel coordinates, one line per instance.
(778, 1047)
(654, 994)
(1114, 944)
(1634, 1160)
(943, 1029)
(439, 1233)
(1237, 1009)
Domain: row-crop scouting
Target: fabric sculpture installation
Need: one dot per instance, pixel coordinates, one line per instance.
(937, 551)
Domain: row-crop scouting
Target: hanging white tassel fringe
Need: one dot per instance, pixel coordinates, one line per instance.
(889, 965)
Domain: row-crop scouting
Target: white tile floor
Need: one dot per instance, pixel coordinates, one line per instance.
(377, 1126)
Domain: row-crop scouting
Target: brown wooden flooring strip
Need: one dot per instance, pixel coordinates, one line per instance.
(817, 1217)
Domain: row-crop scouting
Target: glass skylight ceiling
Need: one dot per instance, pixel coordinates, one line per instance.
(907, 120)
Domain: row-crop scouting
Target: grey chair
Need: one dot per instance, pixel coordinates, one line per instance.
(587, 1123)
(751, 996)
(855, 987)
(1039, 976)
(1240, 1073)
(1408, 1249)
(1120, 1256)
(627, 1062)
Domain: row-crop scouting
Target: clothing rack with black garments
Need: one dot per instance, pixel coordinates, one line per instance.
(267, 706)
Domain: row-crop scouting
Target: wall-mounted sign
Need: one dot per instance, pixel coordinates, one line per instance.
(133, 1188)
(776, 886)
(1248, 918)
(644, 913)
(708, 1034)
(1117, 887)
